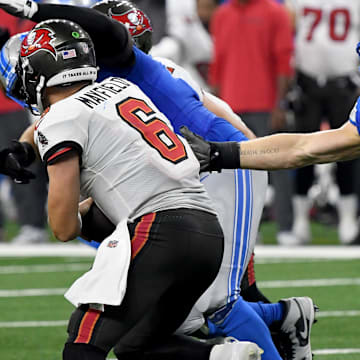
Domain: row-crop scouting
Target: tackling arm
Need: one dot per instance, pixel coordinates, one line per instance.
(221, 109)
(280, 151)
(283, 151)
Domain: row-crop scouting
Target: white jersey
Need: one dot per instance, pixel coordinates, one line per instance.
(131, 161)
(327, 32)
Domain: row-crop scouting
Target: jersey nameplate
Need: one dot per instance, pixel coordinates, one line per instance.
(103, 91)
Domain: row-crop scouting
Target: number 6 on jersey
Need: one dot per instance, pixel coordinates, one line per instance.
(138, 114)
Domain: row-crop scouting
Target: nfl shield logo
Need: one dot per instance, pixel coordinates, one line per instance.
(112, 244)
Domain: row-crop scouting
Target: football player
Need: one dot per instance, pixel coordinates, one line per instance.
(240, 259)
(150, 183)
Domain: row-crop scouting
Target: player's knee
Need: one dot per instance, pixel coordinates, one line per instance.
(82, 352)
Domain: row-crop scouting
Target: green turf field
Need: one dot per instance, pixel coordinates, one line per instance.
(337, 328)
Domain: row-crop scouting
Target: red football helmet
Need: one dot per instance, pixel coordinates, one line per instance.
(134, 19)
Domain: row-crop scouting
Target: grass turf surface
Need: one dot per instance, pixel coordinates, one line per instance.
(45, 343)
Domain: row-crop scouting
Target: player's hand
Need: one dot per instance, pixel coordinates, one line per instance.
(23, 152)
(213, 156)
(13, 161)
(21, 8)
(200, 147)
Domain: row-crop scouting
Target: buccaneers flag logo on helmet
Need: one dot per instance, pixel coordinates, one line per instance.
(135, 20)
(37, 40)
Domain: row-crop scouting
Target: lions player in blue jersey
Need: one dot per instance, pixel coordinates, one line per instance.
(167, 94)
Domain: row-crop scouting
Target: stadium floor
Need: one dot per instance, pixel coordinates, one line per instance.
(34, 312)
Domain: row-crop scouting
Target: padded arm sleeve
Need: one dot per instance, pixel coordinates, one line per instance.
(112, 41)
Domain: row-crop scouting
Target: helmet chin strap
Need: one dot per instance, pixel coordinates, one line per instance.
(39, 97)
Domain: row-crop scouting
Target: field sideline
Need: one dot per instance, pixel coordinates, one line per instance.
(34, 313)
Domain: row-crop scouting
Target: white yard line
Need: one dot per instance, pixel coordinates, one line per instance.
(25, 324)
(308, 283)
(333, 351)
(307, 252)
(337, 313)
(25, 269)
(31, 292)
(261, 251)
(41, 250)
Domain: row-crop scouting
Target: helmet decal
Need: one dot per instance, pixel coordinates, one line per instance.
(37, 40)
(135, 20)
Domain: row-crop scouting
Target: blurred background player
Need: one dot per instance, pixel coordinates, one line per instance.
(251, 71)
(29, 201)
(242, 234)
(188, 29)
(328, 85)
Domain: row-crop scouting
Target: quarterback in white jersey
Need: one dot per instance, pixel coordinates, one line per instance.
(167, 169)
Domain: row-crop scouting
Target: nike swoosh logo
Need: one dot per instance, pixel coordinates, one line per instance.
(302, 327)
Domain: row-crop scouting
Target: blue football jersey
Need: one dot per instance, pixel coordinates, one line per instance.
(174, 98)
(354, 117)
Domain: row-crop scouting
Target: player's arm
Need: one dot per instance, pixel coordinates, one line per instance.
(112, 41)
(63, 197)
(296, 150)
(221, 109)
(280, 151)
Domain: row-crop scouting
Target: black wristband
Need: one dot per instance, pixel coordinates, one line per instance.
(224, 155)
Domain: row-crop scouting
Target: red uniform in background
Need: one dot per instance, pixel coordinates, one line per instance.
(251, 69)
(253, 45)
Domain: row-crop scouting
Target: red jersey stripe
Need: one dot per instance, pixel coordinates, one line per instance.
(62, 151)
(87, 325)
(141, 235)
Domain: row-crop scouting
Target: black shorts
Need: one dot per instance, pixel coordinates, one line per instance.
(176, 255)
(332, 102)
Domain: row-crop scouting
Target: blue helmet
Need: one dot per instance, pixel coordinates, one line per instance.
(9, 56)
(358, 48)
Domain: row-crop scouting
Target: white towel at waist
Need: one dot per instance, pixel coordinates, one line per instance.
(106, 282)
